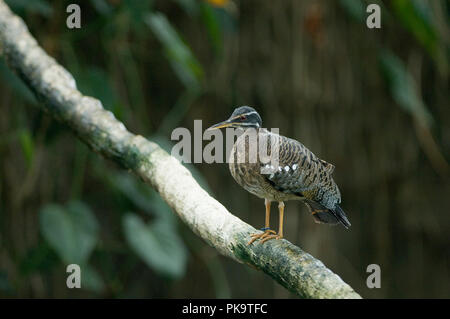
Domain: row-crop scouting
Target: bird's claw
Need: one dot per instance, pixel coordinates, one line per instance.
(262, 236)
(275, 236)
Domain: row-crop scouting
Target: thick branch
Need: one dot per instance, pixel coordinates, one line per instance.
(56, 89)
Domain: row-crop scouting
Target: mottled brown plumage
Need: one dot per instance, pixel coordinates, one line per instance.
(289, 171)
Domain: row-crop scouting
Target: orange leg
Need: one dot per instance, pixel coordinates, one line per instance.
(267, 204)
(267, 230)
(280, 225)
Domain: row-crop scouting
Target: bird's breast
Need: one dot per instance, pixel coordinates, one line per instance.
(245, 167)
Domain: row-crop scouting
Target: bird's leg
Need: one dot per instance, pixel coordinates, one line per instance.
(267, 224)
(280, 225)
(281, 219)
(266, 229)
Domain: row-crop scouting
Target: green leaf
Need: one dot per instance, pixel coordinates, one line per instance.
(158, 245)
(211, 21)
(26, 142)
(183, 62)
(417, 18)
(140, 195)
(403, 88)
(85, 225)
(71, 231)
(91, 280)
(57, 229)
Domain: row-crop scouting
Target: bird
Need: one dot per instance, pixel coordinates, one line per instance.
(298, 174)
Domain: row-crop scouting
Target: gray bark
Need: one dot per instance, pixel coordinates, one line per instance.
(56, 90)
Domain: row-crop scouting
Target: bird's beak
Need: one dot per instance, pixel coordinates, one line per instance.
(227, 123)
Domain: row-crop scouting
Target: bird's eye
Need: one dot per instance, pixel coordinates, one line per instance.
(243, 117)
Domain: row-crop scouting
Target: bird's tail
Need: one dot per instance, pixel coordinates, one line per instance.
(340, 215)
(324, 215)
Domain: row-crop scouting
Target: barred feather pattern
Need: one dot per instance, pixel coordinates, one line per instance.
(299, 174)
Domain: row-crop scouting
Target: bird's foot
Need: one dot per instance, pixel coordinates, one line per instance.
(275, 236)
(262, 236)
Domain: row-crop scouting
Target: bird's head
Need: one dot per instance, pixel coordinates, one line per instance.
(243, 117)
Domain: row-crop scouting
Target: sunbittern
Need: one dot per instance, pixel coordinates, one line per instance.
(298, 175)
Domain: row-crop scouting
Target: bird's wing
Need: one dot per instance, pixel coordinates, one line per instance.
(328, 167)
(302, 173)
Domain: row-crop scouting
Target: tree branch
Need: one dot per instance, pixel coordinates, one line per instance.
(56, 89)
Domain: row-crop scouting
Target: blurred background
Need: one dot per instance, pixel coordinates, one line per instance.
(374, 102)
